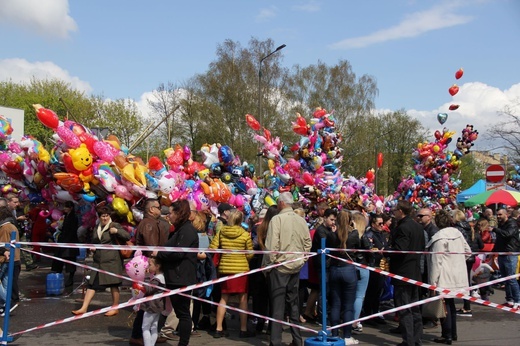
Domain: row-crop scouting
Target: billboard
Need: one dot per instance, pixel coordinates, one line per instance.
(16, 117)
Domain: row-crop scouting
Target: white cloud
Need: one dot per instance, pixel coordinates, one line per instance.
(43, 17)
(415, 24)
(266, 14)
(481, 105)
(142, 103)
(311, 6)
(22, 71)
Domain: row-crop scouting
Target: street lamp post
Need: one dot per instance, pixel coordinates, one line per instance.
(279, 48)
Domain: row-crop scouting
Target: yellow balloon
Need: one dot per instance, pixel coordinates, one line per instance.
(120, 206)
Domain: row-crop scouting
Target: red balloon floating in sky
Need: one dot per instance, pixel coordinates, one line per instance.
(459, 73)
(453, 90)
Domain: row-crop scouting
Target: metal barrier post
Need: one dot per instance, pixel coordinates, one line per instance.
(10, 272)
(323, 337)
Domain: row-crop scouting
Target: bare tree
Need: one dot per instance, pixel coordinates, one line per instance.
(507, 130)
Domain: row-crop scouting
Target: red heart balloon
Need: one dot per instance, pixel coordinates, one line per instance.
(453, 90)
(454, 107)
(459, 73)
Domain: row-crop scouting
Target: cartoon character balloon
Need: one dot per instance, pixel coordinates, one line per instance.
(136, 270)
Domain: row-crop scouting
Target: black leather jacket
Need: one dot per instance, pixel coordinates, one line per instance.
(508, 239)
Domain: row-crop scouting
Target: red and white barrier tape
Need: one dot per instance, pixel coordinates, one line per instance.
(148, 298)
(159, 248)
(444, 292)
(182, 249)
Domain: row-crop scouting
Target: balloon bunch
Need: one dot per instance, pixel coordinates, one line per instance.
(312, 174)
(514, 177)
(433, 183)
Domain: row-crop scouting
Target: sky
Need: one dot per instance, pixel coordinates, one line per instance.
(127, 48)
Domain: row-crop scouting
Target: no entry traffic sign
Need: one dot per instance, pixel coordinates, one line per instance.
(495, 173)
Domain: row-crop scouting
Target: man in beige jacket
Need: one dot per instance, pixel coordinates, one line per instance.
(287, 232)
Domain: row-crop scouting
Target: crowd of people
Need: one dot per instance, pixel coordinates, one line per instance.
(290, 289)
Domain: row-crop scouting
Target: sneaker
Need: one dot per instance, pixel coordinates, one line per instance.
(2, 311)
(509, 303)
(170, 336)
(464, 313)
(357, 329)
(351, 341)
(515, 306)
(475, 294)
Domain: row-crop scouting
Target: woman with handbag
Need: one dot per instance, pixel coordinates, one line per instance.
(105, 232)
(448, 270)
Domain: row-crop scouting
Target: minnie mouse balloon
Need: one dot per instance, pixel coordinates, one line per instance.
(442, 117)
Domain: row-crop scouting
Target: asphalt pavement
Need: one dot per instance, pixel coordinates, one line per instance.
(488, 326)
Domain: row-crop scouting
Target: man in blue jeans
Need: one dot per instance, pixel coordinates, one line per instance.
(508, 240)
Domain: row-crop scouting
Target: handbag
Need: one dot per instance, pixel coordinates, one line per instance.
(434, 309)
(216, 256)
(125, 253)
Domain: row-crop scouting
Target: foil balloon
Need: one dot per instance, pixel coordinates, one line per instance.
(252, 122)
(379, 160)
(136, 269)
(454, 107)
(5, 128)
(442, 117)
(459, 73)
(46, 116)
(453, 90)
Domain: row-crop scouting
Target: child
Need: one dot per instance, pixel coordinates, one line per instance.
(153, 308)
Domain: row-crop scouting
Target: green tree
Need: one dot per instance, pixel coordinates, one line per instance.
(53, 94)
(393, 134)
(470, 171)
(335, 87)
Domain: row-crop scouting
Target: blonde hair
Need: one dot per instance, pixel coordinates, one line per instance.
(458, 215)
(235, 217)
(359, 222)
(198, 220)
(482, 224)
(344, 227)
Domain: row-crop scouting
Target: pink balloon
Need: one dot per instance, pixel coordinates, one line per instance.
(68, 137)
(136, 267)
(104, 151)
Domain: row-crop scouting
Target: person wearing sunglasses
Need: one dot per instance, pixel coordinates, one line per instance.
(424, 217)
(376, 282)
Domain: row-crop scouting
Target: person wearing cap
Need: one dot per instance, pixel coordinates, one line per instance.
(287, 232)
